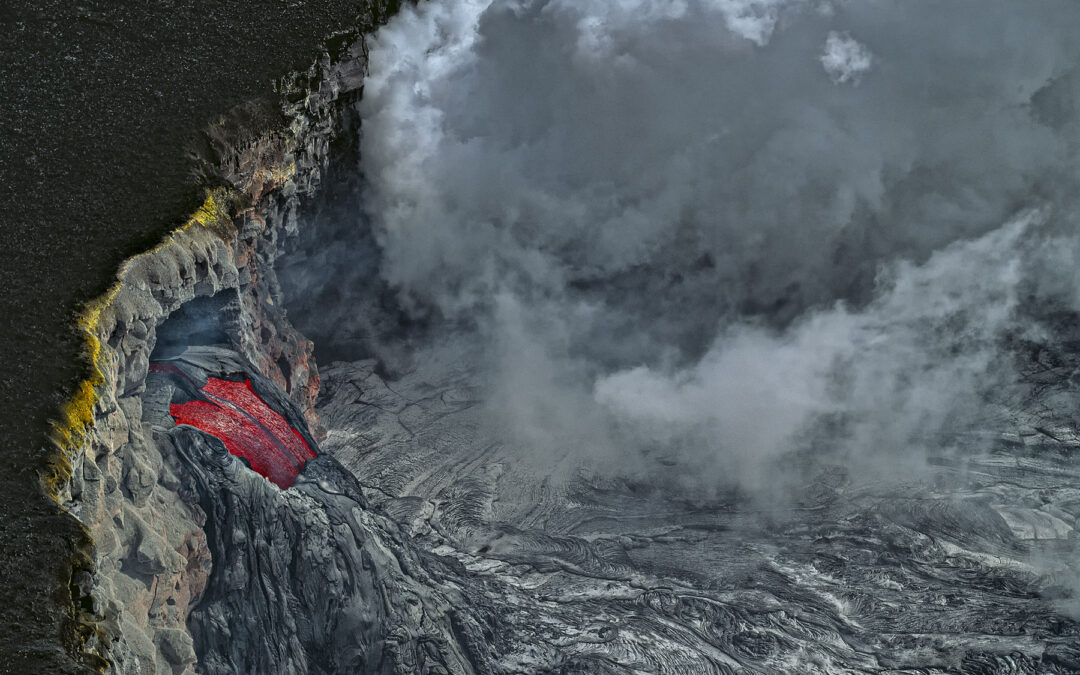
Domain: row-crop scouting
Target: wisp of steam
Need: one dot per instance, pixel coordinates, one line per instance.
(694, 238)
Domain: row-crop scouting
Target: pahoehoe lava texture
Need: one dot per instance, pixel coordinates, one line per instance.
(952, 573)
(421, 544)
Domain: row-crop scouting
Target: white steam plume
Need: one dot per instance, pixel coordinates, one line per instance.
(681, 228)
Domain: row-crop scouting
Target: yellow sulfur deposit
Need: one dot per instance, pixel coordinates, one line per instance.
(70, 432)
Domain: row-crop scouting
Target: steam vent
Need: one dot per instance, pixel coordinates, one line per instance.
(548, 336)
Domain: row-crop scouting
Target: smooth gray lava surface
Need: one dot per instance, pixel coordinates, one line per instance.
(950, 571)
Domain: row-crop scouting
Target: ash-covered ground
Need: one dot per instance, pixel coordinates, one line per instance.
(715, 336)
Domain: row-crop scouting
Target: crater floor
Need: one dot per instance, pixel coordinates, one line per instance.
(964, 568)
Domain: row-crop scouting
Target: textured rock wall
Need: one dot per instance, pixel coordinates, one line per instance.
(309, 580)
(152, 562)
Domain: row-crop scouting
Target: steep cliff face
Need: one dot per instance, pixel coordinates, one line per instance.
(212, 281)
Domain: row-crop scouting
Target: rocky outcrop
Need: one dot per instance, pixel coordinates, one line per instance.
(121, 479)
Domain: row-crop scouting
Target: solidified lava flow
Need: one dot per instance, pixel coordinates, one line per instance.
(251, 429)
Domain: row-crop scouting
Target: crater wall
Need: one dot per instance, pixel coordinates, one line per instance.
(151, 562)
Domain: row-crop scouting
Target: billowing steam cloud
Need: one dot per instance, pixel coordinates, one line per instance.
(719, 231)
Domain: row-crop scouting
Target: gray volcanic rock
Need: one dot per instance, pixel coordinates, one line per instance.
(954, 571)
(304, 580)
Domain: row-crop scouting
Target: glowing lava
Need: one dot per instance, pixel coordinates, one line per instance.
(251, 429)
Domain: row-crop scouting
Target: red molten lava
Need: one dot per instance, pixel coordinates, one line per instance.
(249, 427)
